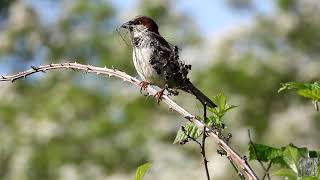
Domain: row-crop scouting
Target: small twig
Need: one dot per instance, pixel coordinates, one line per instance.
(258, 159)
(268, 168)
(234, 156)
(189, 137)
(203, 145)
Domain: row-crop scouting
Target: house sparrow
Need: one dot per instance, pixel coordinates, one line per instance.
(157, 62)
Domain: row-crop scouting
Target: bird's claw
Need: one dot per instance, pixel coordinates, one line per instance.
(159, 95)
(144, 85)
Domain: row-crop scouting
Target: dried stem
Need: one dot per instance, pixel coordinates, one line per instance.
(203, 145)
(230, 153)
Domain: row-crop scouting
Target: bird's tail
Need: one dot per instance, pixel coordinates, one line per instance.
(190, 88)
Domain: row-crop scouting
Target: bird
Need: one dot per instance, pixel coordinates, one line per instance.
(157, 62)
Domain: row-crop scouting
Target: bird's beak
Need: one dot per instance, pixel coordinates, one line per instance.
(127, 25)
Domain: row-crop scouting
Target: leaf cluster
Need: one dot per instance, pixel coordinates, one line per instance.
(295, 162)
(214, 120)
(308, 90)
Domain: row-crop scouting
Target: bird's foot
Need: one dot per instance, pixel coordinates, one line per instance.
(159, 95)
(144, 85)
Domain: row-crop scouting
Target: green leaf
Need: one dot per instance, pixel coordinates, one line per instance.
(307, 90)
(291, 85)
(310, 93)
(191, 129)
(229, 107)
(263, 153)
(219, 112)
(291, 157)
(142, 170)
(179, 137)
(284, 172)
(220, 100)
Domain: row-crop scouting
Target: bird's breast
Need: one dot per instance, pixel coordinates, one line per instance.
(141, 59)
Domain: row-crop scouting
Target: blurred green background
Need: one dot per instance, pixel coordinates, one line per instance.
(71, 125)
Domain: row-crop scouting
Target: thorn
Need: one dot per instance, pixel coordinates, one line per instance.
(113, 68)
(61, 64)
(50, 65)
(73, 69)
(35, 68)
(88, 69)
(12, 80)
(183, 129)
(245, 158)
(75, 62)
(3, 77)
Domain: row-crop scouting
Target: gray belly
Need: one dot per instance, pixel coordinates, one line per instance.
(141, 60)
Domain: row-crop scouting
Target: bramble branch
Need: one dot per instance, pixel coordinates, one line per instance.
(230, 153)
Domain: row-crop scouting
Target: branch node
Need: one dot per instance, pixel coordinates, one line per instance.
(244, 158)
(188, 118)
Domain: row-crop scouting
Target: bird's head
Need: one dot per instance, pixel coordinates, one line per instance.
(141, 23)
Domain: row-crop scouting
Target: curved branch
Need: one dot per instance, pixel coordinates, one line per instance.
(240, 162)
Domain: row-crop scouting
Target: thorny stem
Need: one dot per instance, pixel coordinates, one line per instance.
(230, 153)
(267, 173)
(203, 145)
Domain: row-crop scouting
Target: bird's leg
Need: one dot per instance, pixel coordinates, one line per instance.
(160, 93)
(144, 85)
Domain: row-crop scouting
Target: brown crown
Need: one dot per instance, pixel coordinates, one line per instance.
(147, 22)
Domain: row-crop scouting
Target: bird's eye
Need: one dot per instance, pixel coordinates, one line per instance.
(139, 22)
